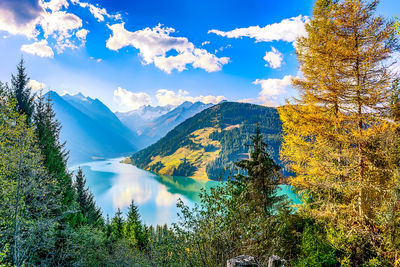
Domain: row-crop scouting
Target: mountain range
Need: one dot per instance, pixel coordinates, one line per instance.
(152, 123)
(91, 130)
(140, 118)
(195, 140)
(206, 145)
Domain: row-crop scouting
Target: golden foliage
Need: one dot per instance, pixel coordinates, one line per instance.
(335, 136)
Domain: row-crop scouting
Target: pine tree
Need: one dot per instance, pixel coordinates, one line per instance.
(21, 92)
(47, 130)
(55, 156)
(333, 134)
(85, 199)
(262, 175)
(135, 232)
(117, 226)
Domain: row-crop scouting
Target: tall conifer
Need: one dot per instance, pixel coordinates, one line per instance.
(135, 231)
(333, 134)
(117, 226)
(85, 199)
(261, 175)
(55, 156)
(22, 92)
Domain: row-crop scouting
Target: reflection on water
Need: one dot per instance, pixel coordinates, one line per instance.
(115, 185)
(184, 186)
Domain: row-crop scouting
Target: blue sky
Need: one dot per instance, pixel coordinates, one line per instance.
(133, 53)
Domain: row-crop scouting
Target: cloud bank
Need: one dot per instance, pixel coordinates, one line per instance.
(155, 43)
(49, 20)
(286, 30)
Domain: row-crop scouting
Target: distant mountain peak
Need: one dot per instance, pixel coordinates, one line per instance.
(79, 95)
(91, 128)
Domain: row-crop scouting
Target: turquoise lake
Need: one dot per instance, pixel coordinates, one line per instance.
(115, 185)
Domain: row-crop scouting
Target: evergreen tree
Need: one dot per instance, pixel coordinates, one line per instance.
(47, 130)
(85, 199)
(55, 157)
(22, 92)
(135, 232)
(27, 196)
(262, 175)
(117, 226)
(333, 134)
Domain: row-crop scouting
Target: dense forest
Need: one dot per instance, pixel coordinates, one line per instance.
(341, 140)
(232, 125)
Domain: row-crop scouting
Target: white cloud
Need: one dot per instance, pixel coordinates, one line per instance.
(54, 5)
(39, 48)
(35, 85)
(271, 88)
(28, 29)
(98, 12)
(274, 58)
(286, 30)
(205, 43)
(154, 44)
(168, 97)
(60, 22)
(62, 26)
(131, 100)
(33, 18)
(82, 34)
(20, 17)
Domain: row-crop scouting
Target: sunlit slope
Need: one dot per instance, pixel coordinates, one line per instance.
(206, 145)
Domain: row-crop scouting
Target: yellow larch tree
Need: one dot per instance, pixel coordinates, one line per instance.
(335, 133)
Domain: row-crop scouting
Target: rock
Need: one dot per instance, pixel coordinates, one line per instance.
(275, 261)
(242, 260)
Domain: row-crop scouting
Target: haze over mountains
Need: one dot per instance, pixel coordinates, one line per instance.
(140, 118)
(91, 130)
(152, 123)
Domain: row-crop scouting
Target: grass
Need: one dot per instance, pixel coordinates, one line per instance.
(198, 157)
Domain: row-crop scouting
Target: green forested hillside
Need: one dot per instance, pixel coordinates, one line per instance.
(206, 145)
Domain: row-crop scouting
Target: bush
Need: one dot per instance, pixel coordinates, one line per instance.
(315, 250)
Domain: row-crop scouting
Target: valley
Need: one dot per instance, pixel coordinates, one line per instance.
(206, 145)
